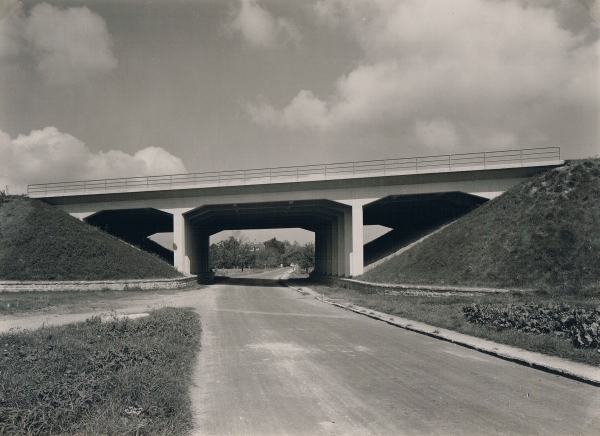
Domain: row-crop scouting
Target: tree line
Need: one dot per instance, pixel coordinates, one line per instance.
(237, 253)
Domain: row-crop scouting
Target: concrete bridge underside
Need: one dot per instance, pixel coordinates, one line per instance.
(338, 227)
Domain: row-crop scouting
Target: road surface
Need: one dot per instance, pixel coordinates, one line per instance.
(276, 362)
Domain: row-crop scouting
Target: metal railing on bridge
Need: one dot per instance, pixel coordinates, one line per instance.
(487, 159)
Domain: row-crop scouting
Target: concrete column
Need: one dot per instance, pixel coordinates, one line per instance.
(341, 247)
(203, 253)
(192, 243)
(348, 245)
(353, 237)
(357, 263)
(329, 235)
(181, 260)
(320, 251)
(334, 247)
(179, 243)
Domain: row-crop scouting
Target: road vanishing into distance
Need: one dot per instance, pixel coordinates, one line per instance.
(277, 362)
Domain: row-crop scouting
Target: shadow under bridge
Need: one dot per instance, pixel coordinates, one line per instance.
(328, 220)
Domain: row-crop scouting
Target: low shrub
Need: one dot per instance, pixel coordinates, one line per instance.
(580, 325)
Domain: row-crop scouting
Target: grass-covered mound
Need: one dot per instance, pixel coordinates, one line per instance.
(41, 242)
(120, 377)
(543, 233)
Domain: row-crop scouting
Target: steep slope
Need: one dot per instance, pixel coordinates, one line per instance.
(543, 233)
(40, 242)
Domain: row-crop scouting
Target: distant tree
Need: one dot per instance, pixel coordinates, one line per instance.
(275, 245)
(292, 254)
(307, 256)
(216, 256)
(246, 255)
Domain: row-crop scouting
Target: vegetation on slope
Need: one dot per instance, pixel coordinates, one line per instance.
(119, 377)
(40, 242)
(543, 233)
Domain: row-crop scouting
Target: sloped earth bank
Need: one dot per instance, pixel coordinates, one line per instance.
(274, 361)
(541, 234)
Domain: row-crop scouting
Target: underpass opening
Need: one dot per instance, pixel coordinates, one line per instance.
(411, 217)
(136, 226)
(321, 217)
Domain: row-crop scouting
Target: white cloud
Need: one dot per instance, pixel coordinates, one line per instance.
(260, 29)
(437, 134)
(48, 155)
(501, 68)
(304, 111)
(68, 45)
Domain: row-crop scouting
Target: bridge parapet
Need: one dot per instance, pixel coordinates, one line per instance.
(340, 170)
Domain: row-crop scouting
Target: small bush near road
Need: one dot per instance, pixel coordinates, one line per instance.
(119, 377)
(581, 326)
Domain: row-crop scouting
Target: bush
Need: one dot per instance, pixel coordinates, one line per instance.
(581, 326)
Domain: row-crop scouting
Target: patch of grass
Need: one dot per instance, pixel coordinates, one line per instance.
(119, 377)
(298, 274)
(447, 313)
(13, 303)
(542, 234)
(41, 242)
(237, 272)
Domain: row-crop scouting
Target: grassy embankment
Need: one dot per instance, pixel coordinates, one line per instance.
(119, 377)
(40, 242)
(543, 235)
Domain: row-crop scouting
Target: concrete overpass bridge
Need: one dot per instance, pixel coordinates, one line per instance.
(334, 201)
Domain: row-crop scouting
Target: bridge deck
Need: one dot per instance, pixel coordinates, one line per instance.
(341, 170)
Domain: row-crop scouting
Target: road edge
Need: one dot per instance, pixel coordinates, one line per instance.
(553, 365)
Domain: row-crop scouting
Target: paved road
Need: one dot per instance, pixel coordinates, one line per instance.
(275, 362)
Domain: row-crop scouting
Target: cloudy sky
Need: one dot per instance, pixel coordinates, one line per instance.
(113, 88)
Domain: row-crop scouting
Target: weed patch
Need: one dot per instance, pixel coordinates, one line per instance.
(119, 377)
(580, 325)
